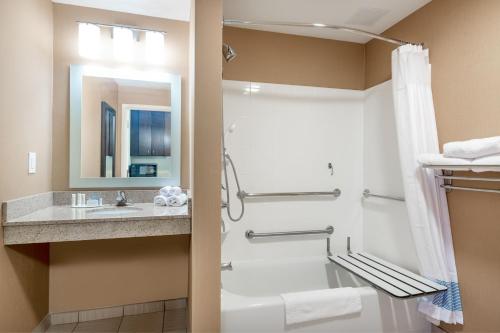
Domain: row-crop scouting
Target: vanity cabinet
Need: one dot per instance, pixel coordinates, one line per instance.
(150, 133)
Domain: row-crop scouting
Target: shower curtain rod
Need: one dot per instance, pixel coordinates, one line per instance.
(319, 25)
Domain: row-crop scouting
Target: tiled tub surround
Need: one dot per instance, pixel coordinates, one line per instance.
(158, 316)
(48, 217)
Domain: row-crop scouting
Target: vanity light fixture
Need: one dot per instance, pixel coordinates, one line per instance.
(155, 47)
(89, 40)
(123, 44)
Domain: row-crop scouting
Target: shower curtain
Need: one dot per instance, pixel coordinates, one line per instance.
(425, 199)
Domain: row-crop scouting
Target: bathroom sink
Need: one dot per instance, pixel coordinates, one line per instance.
(113, 211)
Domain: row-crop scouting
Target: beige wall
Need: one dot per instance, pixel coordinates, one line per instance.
(152, 270)
(66, 53)
(204, 283)
(463, 38)
(91, 274)
(25, 125)
(289, 59)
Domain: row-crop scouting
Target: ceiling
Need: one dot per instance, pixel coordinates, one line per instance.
(371, 15)
(169, 9)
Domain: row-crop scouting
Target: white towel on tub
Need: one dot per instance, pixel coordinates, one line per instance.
(320, 304)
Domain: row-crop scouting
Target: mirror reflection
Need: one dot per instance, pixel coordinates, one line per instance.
(126, 128)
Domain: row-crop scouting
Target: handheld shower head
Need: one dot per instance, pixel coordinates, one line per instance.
(228, 52)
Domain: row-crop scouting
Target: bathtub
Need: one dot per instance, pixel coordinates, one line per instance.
(251, 302)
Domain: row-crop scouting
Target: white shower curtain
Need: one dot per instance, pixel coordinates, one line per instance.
(425, 200)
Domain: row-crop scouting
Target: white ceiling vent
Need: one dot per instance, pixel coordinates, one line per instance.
(367, 17)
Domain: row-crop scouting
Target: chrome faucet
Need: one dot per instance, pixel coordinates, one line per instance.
(121, 199)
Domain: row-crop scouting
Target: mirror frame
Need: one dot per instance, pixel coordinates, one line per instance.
(77, 72)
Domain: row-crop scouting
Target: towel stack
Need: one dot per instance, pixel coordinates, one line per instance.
(477, 154)
(473, 149)
(171, 196)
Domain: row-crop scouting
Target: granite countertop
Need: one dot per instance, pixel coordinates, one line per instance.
(47, 218)
(66, 214)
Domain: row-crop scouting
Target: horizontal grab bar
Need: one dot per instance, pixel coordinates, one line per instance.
(242, 194)
(367, 194)
(250, 234)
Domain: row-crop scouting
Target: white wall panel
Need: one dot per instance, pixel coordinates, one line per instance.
(284, 138)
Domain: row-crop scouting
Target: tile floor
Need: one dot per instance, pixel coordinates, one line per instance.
(172, 321)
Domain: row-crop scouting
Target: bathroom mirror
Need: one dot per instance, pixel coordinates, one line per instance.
(124, 128)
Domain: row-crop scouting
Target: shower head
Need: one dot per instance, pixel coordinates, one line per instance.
(228, 52)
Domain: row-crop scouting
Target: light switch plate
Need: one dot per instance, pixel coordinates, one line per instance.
(31, 163)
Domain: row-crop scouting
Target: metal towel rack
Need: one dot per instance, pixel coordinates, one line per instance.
(243, 195)
(367, 194)
(448, 177)
(250, 234)
(471, 189)
(448, 185)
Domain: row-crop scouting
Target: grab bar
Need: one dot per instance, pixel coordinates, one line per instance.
(250, 234)
(367, 194)
(242, 194)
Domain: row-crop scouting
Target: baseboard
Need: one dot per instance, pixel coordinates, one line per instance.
(115, 311)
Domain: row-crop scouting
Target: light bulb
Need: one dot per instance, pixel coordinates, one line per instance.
(123, 42)
(89, 40)
(155, 47)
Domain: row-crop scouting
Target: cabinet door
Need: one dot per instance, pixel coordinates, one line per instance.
(158, 133)
(134, 133)
(144, 133)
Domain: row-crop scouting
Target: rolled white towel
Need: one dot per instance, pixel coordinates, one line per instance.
(320, 304)
(474, 148)
(177, 200)
(160, 200)
(168, 191)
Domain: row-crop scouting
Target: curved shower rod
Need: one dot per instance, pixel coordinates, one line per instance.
(319, 25)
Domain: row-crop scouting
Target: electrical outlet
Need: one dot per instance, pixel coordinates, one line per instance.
(31, 163)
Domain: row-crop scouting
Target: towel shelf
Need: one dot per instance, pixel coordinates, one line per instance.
(394, 280)
(367, 194)
(463, 167)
